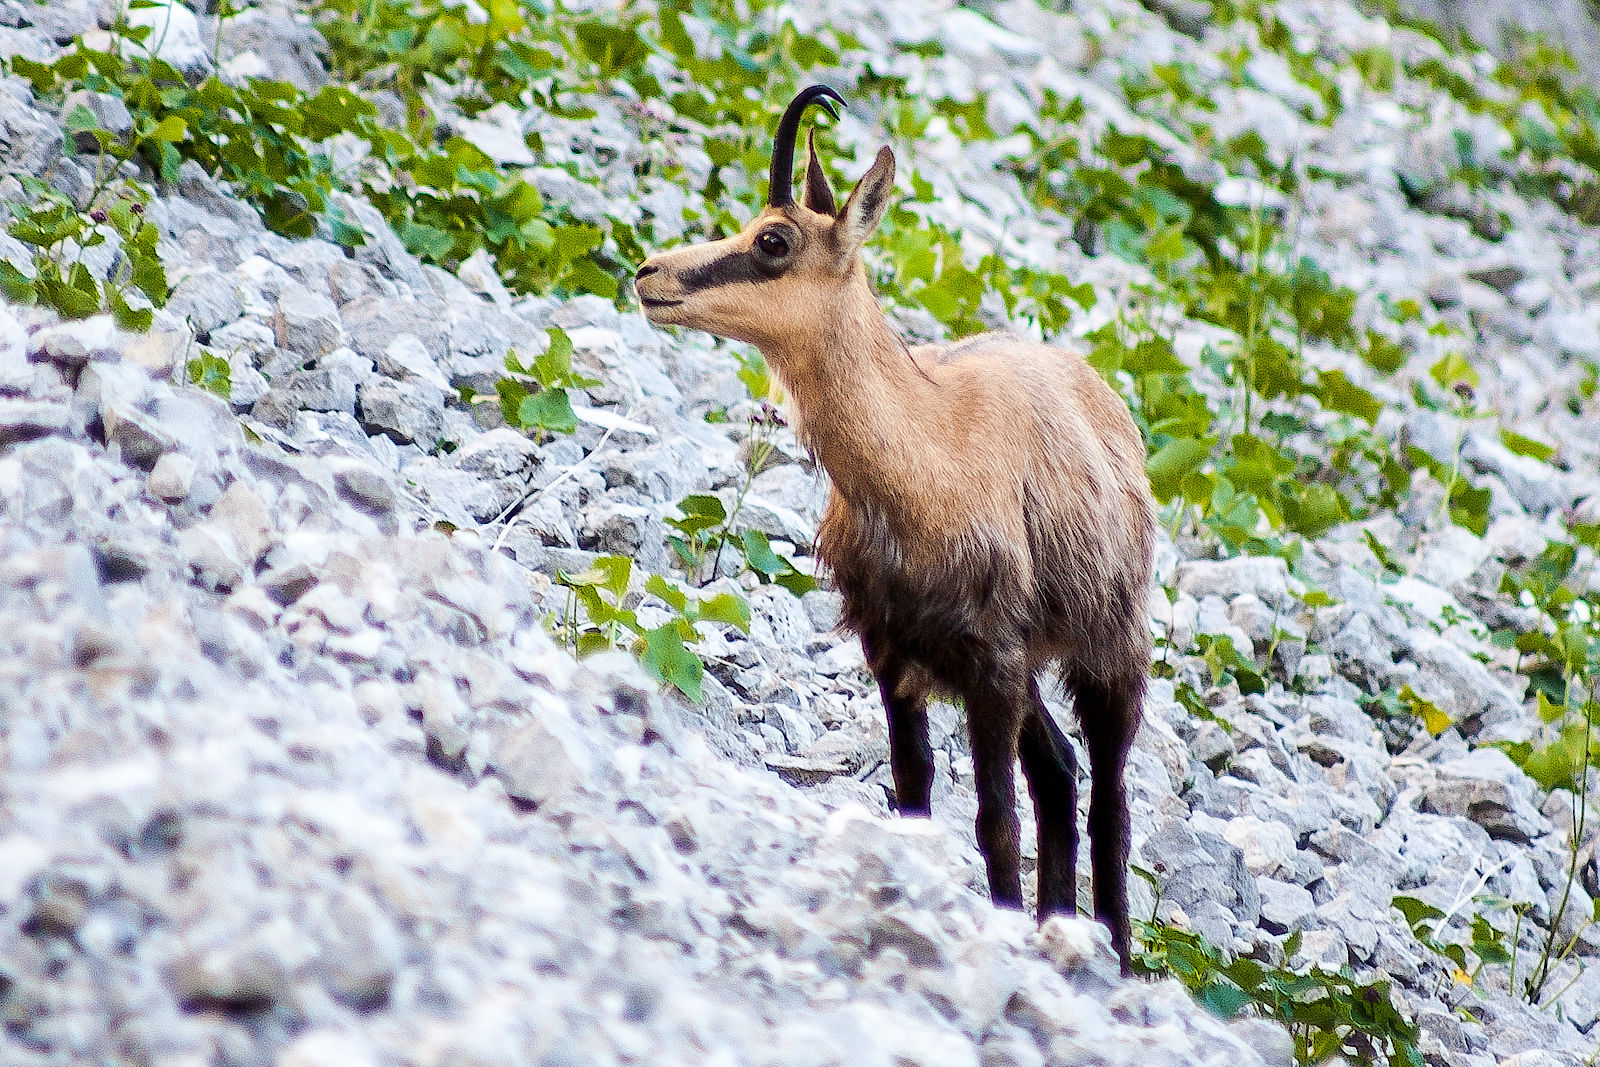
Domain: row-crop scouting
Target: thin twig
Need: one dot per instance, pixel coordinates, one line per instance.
(529, 497)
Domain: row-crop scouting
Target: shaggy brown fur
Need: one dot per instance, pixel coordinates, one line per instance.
(990, 519)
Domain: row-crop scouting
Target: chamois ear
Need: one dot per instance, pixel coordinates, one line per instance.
(868, 202)
(819, 195)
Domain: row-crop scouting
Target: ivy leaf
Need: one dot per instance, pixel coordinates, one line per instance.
(1339, 393)
(1526, 446)
(1416, 912)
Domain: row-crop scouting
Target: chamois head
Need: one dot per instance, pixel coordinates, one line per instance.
(768, 282)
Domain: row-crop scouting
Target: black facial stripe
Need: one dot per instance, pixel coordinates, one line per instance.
(726, 270)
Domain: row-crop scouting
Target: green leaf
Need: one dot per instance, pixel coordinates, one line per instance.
(754, 374)
(758, 553)
(796, 581)
(171, 128)
(127, 316)
(1454, 370)
(1433, 717)
(549, 410)
(1338, 393)
(1382, 354)
(592, 641)
(14, 285)
(667, 660)
(1173, 461)
(1526, 446)
(211, 373)
(554, 366)
(701, 512)
(1416, 912)
(1224, 999)
(610, 573)
(675, 597)
(728, 608)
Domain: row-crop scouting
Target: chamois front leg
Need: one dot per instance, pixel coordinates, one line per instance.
(1051, 768)
(996, 708)
(1110, 715)
(910, 754)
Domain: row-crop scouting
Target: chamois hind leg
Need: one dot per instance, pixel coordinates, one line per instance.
(1051, 768)
(910, 754)
(1109, 715)
(997, 705)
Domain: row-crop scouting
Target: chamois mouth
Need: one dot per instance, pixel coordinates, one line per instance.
(654, 302)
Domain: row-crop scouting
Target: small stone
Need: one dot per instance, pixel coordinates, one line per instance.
(24, 420)
(408, 411)
(365, 489)
(1486, 787)
(307, 323)
(406, 358)
(242, 514)
(107, 112)
(836, 753)
(1266, 577)
(73, 344)
(231, 975)
(171, 478)
(174, 35)
(544, 760)
(1284, 906)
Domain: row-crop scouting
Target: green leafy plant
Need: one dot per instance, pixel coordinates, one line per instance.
(1327, 1013)
(598, 617)
(533, 396)
(59, 234)
(705, 528)
(212, 373)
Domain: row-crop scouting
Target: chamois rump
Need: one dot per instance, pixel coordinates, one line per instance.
(989, 518)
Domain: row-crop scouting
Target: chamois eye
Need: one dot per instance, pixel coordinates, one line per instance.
(772, 244)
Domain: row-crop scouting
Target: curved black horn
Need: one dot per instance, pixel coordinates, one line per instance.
(780, 191)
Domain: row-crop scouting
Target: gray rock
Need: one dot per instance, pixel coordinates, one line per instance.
(24, 420)
(29, 141)
(284, 46)
(307, 323)
(330, 385)
(406, 358)
(1264, 577)
(545, 760)
(1285, 907)
(1205, 876)
(207, 300)
(105, 112)
(1486, 787)
(409, 411)
(171, 477)
(231, 975)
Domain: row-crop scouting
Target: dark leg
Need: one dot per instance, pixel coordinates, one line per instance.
(1110, 718)
(910, 755)
(1051, 768)
(996, 709)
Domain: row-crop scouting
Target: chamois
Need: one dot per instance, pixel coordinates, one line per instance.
(989, 518)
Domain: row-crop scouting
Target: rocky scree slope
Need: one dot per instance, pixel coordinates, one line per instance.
(295, 776)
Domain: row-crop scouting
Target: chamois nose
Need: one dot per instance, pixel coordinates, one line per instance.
(645, 271)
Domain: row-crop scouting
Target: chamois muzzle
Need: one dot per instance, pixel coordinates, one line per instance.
(780, 191)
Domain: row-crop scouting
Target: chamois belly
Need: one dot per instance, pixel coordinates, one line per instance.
(953, 601)
(948, 606)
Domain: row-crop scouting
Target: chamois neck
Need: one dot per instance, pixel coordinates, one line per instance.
(858, 393)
